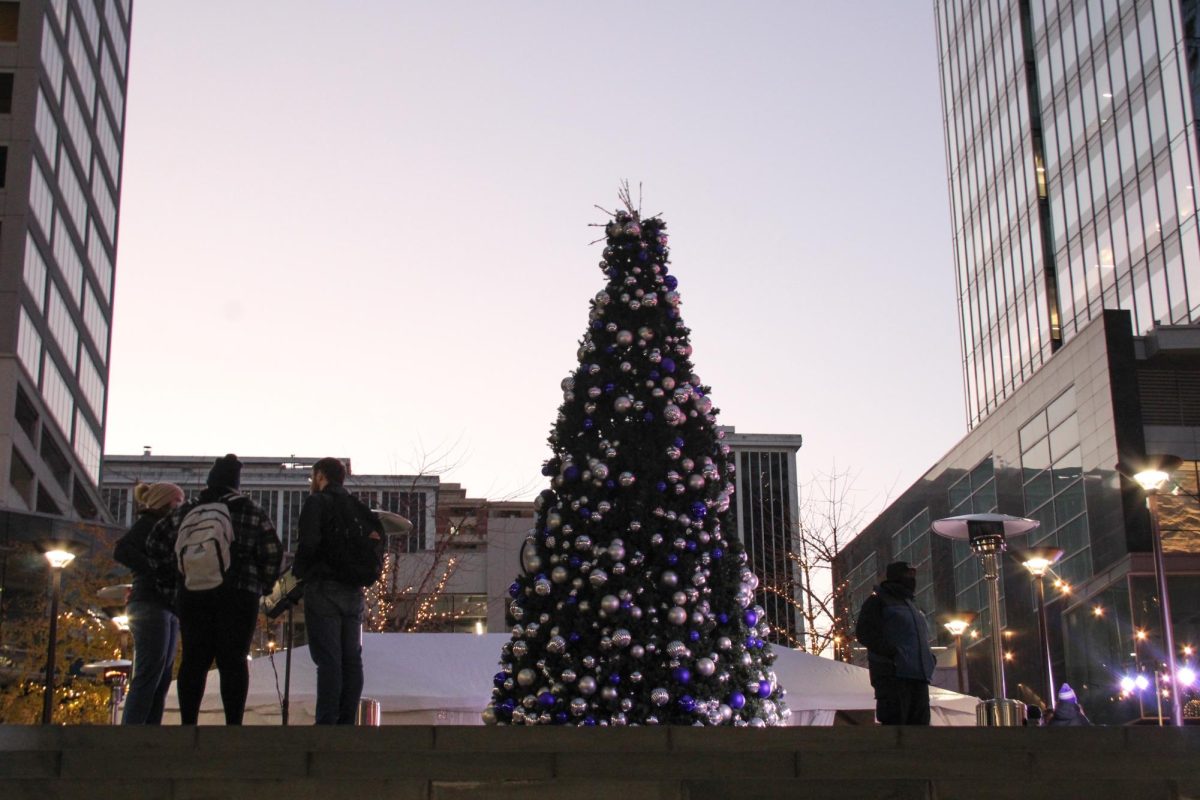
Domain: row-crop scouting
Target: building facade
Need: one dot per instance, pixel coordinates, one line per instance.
(63, 74)
(1071, 146)
(765, 506)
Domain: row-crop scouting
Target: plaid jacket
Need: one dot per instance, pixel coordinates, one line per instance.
(256, 553)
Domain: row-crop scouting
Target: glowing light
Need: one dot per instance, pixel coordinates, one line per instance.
(1151, 480)
(1098, 611)
(59, 558)
(1142, 682)
(1186, 676)
(974, 634)
(957, 627)
(1188, 650)
(1128, 685)
(1008, 656)
(121, 621)
(1140, 635)
(478, 628)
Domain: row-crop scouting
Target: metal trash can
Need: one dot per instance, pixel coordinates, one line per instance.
(370, 712)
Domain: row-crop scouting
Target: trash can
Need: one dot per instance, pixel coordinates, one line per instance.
(369, 712)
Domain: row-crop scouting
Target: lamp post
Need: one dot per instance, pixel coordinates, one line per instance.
(957, 625)
(1038, 561)
(58, 558)
(987, 534)
(1151, 480)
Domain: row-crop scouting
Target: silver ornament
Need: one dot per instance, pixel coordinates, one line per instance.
(626, 479)
(677, 616)
(526, 677)
(587, 685)
(624, 338)
(622, 404)
(660, 696)
(621, 638)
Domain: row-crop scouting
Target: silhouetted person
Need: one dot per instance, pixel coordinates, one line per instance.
(900, 661)
(1067, 713)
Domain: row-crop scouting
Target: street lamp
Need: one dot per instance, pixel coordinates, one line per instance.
(1039, 560)
(1151, 479)
(987, 534)
(957, 624)
(58, 557)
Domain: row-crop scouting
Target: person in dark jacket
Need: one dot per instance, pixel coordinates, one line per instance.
(150, 608)
(218, 623)
(333, 608)
(1067, 712)
(900, 661)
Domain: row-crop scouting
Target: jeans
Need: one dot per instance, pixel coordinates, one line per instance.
(155, 630)
(901, 701)
(216, 624)
(333, 614)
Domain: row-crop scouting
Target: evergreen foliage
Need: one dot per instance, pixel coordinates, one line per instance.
(635, 605)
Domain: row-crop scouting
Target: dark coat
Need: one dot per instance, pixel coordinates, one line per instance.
(1067, 714)
(894, 631)
(149, 585)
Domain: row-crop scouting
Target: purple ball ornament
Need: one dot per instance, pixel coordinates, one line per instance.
(736, 700)
(681, 675)
(764, 689)
(751, 617)
(687, 703)
(588, 424)
(546, 699)
(668, 364)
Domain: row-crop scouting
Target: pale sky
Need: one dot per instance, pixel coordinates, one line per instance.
(362, 228)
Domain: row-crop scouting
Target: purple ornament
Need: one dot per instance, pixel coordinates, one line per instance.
(764, 689)
(668, 364)
(499, 678)
(546, 699)
(717, 552)
(514, 589)
(588, 424)
(751, 617)
(680, 674)
(571, 473)
(737, 700)
(687, 703)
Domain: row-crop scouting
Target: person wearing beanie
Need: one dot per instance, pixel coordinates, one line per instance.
(217, 624)
(1067, 712)
(151, 612)
(893, 629)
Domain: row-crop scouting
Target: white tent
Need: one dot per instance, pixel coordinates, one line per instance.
(446, 679)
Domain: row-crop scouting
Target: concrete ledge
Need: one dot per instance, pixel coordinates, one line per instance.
(299, 790)
(599, 788)
(752, 788)
(30, 764)
(476, 766)
(79, 790)
(82, 764)
(657, 766)
(847, 739)
(553, 739)
(1006, 789)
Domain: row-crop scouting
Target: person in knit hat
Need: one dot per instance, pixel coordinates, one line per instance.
(900, 662)
(1067, 712)
(150, 607)
(217, 624)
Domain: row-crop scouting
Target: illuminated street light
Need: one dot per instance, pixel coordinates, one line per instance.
(957, 625)
(58, 556)
(1039, 560)
(1152, 479)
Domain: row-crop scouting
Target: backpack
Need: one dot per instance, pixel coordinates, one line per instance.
(353, 550)
(202, 548)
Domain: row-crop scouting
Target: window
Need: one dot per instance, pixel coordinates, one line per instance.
(91, 21)
(63, 327)
(68, 260)
(106, 208)
(57, 395)
(9, 13)
(41, 202)
(93, 319)
(6, 92)
(47, 128)
(87, 447)
(92, 384)
(76, 203)
(20, 477)
(77, 126)
(116, 32)
(52, 60)
(109, 147)
(83, 67)
(35, 273)
(26, 415)
(101, 264)
(112, 85)
(59, 466)
(29, 346)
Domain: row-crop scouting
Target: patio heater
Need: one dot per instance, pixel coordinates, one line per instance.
(987, 535)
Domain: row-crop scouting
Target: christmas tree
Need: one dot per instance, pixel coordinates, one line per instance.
(635, 605)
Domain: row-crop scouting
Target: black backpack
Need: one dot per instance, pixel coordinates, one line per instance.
(353, 550)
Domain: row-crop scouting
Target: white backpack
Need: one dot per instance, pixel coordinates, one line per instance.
(202, 547)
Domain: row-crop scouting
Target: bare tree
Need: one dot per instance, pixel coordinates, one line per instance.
(829, 518)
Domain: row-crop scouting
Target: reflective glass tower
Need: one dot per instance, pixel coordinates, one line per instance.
(63, 74)
(1071, 146)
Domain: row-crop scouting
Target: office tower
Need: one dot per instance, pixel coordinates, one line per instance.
(1071, 152)
(63, 73)
(765, 507)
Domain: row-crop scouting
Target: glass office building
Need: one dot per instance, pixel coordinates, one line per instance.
(62, 120)
(1071, 150)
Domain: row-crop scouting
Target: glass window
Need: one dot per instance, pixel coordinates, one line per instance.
(41, 201)
(77, 126)
(68, 262)
(92, 383)
(57, 395)
(83, 67)
(46, 127)
(52, 60)
(116, 32)
(68, 182)
(94, 320)
(87, 446)
(101, 263)
(112, 86)
(1062, 407)
(35, 273)
(63, 327)
(29, 346)
(106, 207)
(1037, 457)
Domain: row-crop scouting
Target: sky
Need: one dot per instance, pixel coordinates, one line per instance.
(363, 228)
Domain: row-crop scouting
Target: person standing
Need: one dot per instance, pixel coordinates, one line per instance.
(1067, 713)
(900, 661)
(339, 552)
(226, 555)
(150, 607)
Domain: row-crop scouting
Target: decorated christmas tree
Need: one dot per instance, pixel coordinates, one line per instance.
(635, 605)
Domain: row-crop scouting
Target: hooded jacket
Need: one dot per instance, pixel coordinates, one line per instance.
(896, 635)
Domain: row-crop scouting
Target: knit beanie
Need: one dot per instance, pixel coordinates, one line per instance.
(226, 473)
(1066, 694)
(157, 496)
(897, 570)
